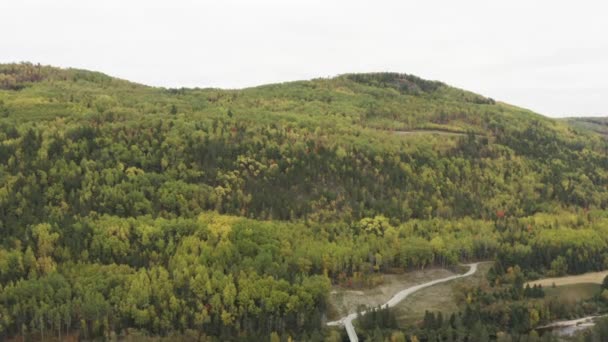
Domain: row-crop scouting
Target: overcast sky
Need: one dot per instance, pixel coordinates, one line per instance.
(549, 56)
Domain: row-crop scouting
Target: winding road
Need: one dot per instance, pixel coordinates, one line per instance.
(347, 321)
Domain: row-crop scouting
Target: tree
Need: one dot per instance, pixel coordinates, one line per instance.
(45, 246)
(534, 317)
(479, 332)
(398, 336)
(559, 267)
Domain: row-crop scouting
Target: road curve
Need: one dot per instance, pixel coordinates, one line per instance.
(347, 321)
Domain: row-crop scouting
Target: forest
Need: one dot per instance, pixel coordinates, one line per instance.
(210, 214)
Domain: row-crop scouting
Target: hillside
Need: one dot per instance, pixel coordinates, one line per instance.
(210, 212)
(595, 124)
(247, 152)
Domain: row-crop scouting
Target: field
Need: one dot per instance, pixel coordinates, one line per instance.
(592, 277)
(573, 292)
(441, 297)
(344, 301)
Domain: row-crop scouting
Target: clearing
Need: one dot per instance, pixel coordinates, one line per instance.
(441, 297)
(344, 301)
(573, 292)
(347, 321)
(592, 277)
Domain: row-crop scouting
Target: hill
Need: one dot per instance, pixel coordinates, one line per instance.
(303, 148)
(229, 212)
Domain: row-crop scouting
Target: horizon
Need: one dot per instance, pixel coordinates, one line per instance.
(540, 63)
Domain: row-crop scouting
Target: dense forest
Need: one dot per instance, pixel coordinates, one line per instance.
(216, 214)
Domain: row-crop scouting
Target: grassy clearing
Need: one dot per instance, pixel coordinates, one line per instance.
(573, 292)
(592, 277)
(344, 301)
(441, 297)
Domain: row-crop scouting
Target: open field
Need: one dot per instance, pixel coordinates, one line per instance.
(440, 297)
(344, 301)
(573, 292)
(592, 277)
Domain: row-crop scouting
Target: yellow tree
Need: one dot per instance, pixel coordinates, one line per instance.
(45, 241)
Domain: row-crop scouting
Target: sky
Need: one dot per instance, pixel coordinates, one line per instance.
(548, 56)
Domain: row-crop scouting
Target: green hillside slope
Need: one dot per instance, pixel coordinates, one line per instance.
(595, 124)
(229, 212)
(316, 148)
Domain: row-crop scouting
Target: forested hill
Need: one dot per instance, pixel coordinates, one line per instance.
(323, 149)
(229, 212)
